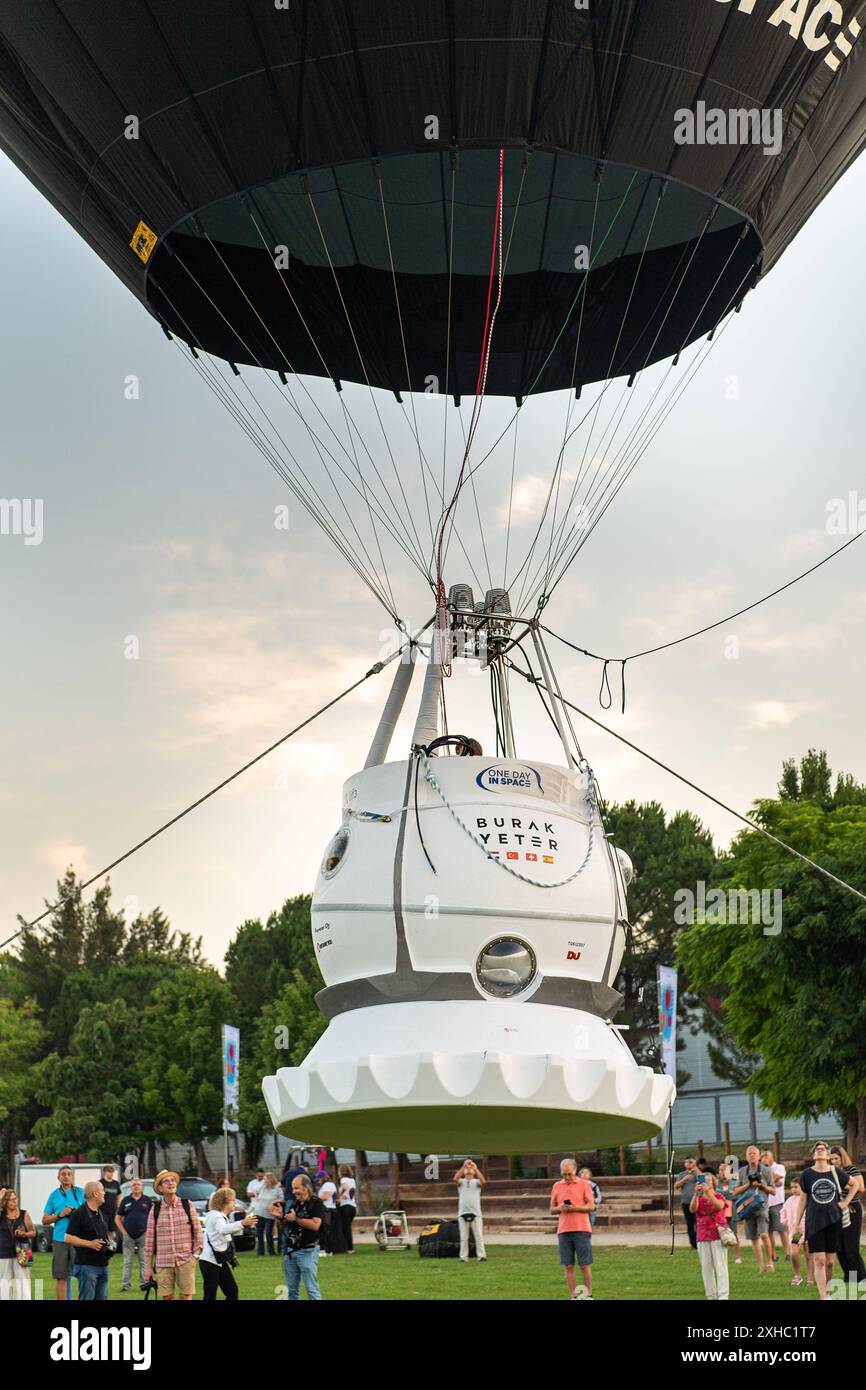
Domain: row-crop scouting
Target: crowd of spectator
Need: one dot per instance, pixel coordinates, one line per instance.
(809, 1221)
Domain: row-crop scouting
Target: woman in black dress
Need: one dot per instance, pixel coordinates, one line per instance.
(850, 1257)
(823, 1188)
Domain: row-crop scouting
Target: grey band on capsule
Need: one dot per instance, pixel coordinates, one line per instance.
(424, 986)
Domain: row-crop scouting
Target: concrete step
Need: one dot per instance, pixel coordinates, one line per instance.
(540, 1225)
(654, 1182)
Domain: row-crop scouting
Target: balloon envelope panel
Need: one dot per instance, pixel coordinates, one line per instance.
(224, 127)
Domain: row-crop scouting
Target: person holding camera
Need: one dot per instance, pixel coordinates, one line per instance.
(218, 1259)
(470, 1180)
(708, 1207)
(755, 1183)
(300, 1223)
(88, 1233)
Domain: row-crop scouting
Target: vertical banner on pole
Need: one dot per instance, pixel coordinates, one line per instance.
(667, 985)
(231, 1076)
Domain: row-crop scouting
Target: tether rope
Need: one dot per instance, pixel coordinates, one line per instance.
(753, 825)
(373, 671)
(709, 627)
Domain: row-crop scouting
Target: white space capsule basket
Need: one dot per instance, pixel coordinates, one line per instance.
(468, 920)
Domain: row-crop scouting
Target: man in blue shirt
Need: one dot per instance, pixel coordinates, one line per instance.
(58, 1209)
(131, 1222)
(294, 1169)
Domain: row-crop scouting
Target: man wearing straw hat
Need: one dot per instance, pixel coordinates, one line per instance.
(173, 1240)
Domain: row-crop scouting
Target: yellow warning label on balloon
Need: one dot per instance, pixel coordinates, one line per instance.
(143, 241)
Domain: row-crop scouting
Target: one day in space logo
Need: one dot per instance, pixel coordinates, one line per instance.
(497, 779)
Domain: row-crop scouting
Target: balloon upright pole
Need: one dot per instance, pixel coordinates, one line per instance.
(555, 694)
(393, 709)
(504, 706)
(427, 723)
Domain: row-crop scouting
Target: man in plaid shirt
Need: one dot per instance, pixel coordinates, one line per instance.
(173, 1240)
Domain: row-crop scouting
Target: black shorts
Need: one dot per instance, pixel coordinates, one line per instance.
(826, 1241)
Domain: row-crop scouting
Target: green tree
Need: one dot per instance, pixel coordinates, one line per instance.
(181, 1057)
(262, 958)
(285, 1030)
(93, 1094)
(21, 1037)
(796, 1000)
(668, 855)
(812, 781)
(90, 978)
(260, 963)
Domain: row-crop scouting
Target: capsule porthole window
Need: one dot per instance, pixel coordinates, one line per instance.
(505, 967)
(626, 866)
(335, 853)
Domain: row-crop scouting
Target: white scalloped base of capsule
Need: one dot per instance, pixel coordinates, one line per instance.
(454, 1102)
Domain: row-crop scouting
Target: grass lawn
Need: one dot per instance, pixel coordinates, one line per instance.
(510, 1272)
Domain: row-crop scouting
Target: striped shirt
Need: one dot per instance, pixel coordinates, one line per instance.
(177, 1239)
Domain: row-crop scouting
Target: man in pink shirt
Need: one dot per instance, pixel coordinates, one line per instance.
(571, 1200)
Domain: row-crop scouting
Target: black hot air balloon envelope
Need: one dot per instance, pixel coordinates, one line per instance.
(353, 148)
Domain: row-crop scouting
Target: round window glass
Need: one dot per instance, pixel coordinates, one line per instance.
(335, 853)
(505, 967)
(626, 866)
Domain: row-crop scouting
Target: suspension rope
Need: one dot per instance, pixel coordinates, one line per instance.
(487, 338)
(318, 516)
(611, 361)
(623, 451)
(215, 379)
(378, 171)
(278, 346)
(363, 366)
(625, 398)
(348, 419)
(623, 471)
(218, 384)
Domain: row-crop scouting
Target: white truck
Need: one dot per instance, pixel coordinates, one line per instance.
(36, 1181)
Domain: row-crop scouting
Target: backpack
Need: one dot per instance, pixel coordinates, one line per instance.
(748, 1203)
(157, 1207)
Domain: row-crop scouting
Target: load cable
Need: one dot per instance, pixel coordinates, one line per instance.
(752, 824)
(709, 627)
(121, 858)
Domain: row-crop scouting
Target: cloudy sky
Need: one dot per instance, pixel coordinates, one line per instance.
(164, 631)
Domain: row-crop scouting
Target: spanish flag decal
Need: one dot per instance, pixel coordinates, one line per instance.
(143, 241)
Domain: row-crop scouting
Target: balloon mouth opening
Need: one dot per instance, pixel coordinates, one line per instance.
(374, 269)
